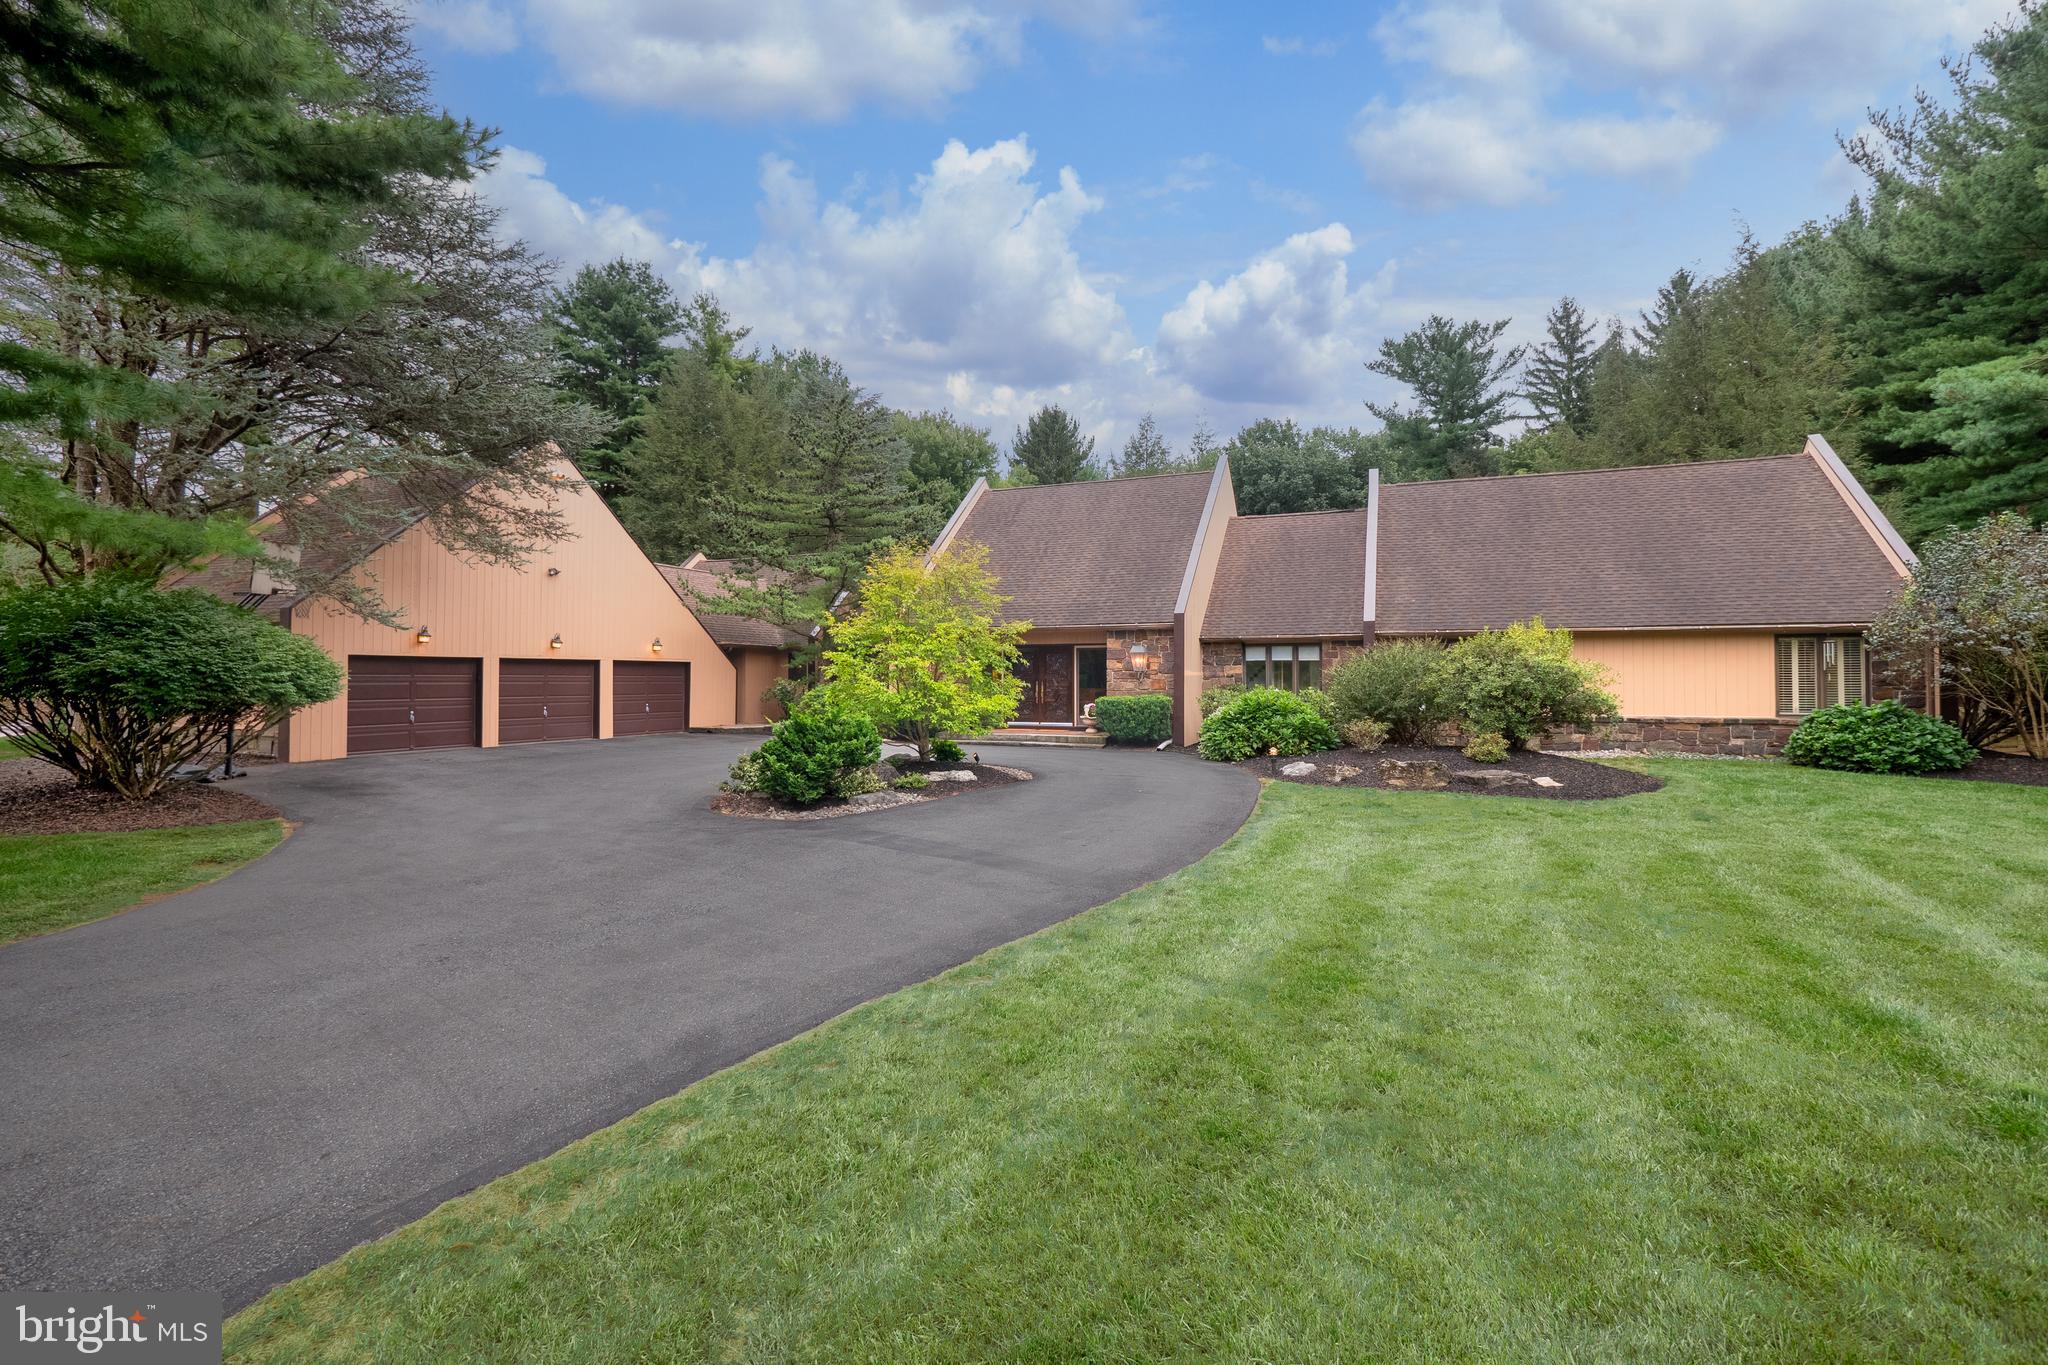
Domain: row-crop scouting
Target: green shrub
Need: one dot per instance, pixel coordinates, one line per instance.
(946, 751)
(1320, 700)
(1364, 734)
(911, 782)
(1265, 720)
(1215, 698)
(1399, 683)
(810, 754)
(745, 773)
(1884, 738)
(857, 782)
(1521, 682)
(1487, 748)
(119, 683)
(1146, 719)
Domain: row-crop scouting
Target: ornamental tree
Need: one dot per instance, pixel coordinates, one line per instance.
(1523, 682)
(1978, 600)
(119, 684)
(923, 652)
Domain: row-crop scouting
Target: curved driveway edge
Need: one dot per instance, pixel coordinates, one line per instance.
(464, 960)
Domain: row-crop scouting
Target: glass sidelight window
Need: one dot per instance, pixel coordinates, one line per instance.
(1290, 666)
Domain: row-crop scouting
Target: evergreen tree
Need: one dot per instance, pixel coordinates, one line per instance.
(612, 324)
(196, 416)
(1677, 300)
(1559, 381)
(703, 438)
(1459, 378)
(204, 156)
(836, 500)
(1948, 310)
(1049, 447)
(1146, 452)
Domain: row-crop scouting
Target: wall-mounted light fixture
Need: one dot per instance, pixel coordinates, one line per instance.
(656, 646)
(555, 643)
(424, 636)
(1141, 655)
(554, 572)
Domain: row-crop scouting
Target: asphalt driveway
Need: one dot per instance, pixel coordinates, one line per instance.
(463, 960)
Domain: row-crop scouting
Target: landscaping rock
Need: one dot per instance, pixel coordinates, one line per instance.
(1298, 769)
(875, 799)
(1548, 782)
(1492, 777)
(951, 775)
(1412, 774)
(1341, 772)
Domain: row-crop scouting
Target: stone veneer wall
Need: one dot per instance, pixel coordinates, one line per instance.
(1678, 736)
(1124, 679)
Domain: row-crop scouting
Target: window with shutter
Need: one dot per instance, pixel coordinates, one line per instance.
(1852, 669)
(1788, 664)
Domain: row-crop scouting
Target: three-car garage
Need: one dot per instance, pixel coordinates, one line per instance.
(398, 703)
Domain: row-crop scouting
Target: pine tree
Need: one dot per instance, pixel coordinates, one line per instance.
(612, 324)
(836, 500)
(1050, 449)
(169, 407)
(1459, 378)
(1677, 301)
(1559, 380)
(1146, 452)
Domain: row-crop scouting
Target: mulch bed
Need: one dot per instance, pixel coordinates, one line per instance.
(36, 798)
(1576, 779)
(755, 806)
(2017, 769)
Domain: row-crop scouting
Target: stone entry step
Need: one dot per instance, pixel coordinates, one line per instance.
(1072, 739)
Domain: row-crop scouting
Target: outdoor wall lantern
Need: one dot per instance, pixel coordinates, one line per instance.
(1141, 656)
(555, 643)
(657, 645)
(425, 636)
(554, 572)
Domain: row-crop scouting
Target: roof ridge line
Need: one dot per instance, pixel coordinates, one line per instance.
(1603, 469)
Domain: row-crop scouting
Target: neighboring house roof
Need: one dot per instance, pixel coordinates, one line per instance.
(1759, 542)
(1107, 552)
(1295, 575)
(697, 578)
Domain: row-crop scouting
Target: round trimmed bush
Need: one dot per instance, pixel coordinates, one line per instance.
(1487, 748)
(1266, 720)
(1364, 734)
(810, 754)
(947, 751)
(1882, 738)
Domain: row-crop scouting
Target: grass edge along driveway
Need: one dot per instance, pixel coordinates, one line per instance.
(54, 881)
(1749, 1066)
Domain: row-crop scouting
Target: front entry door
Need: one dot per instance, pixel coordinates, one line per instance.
(1048, 674)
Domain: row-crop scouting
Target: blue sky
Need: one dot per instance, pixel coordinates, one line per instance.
(1213, 213)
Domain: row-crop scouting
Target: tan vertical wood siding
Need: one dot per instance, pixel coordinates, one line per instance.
(608, 602)
(756, 670)
(1698, 674)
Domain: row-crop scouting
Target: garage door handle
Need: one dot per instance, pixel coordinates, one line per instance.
(543, 711)
(648, 707)
(411, 719)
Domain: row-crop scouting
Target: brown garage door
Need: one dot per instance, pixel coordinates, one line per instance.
(546, 699)
(405, 703)
(650, 699)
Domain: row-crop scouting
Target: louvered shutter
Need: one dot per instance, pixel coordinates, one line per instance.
(1788, 667)
(1808, 674)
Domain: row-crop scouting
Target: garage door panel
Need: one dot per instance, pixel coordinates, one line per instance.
(650, 698)
(398, 703)
(541, 699)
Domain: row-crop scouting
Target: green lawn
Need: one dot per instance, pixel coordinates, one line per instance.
(53, 881)
(1755, 1066)
(8, 749)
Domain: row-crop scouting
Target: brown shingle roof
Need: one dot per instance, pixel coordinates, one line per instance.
(1284, 576)
(1109, 552)
(707, 579)
(1763, 542)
